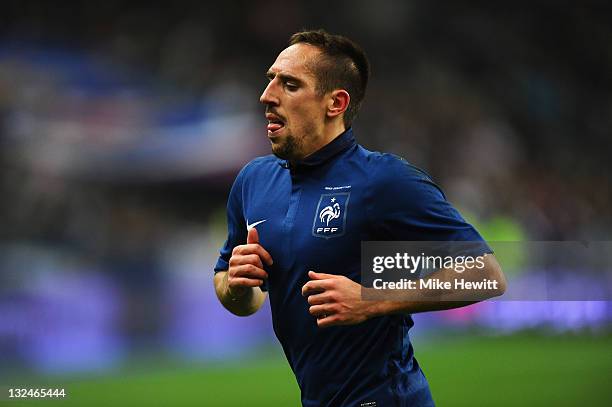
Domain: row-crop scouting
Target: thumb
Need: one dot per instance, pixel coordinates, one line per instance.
(320, 276)
(253, 236)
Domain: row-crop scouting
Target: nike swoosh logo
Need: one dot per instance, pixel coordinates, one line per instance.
(252, 225)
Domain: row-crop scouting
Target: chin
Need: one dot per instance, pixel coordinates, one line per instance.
(280, 153)
(285, 151)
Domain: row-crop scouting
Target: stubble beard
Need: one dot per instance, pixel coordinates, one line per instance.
(292, 147)
(287, 149)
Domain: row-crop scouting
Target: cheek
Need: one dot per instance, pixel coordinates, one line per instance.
(306, 116)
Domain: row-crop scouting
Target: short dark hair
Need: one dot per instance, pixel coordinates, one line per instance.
(343, 65)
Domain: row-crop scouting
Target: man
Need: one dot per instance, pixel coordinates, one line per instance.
(296, 220)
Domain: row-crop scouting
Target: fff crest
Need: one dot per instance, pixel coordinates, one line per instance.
(330, 216)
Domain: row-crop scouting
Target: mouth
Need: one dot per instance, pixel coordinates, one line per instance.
(275, 124)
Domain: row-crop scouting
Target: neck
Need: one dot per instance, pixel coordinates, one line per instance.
(330, 132)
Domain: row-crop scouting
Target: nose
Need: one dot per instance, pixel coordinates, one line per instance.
(268, 97)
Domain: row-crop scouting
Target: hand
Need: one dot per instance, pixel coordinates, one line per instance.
(246, 267)
(335, 300)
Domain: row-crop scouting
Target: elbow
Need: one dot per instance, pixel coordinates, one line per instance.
(500, 285)
(495, 273)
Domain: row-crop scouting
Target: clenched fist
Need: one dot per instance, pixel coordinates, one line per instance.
(246, 267)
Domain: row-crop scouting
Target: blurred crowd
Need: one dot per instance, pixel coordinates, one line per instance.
(507, 105)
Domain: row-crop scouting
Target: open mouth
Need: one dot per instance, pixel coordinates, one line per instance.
(274, 123)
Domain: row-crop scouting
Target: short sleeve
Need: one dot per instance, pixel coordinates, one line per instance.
(236, 224)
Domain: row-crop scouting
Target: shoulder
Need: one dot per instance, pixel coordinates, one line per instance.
(262, 163)
(398, 182)
(259, 165)
(390, 167)
(253, 171)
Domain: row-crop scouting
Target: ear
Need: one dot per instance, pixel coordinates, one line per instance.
(338, 103)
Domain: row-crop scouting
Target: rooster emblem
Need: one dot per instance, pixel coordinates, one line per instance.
(329, 212)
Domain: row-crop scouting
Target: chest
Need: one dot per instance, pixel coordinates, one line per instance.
(310, 222)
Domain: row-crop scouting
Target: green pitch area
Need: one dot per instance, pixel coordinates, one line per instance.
(464, 371)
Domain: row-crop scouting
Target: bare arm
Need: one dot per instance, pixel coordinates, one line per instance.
(447, 299)
(243, 302)
(337, 300)
(238, 288)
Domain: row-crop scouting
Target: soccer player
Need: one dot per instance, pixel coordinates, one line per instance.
(295, 222)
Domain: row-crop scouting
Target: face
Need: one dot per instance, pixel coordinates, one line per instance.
(294, 110)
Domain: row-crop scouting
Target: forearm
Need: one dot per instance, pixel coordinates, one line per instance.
(242, 305)
(422, 300)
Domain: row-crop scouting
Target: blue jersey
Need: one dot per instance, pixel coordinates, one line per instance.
(313, 215)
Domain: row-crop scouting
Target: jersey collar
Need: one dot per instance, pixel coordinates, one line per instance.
(340, 144)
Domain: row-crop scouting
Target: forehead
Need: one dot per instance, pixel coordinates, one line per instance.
(296, 60)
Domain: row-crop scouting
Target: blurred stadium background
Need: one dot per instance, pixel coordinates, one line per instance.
(122, 127)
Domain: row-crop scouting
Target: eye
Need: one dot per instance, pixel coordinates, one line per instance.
(291, 86)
